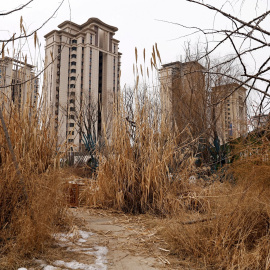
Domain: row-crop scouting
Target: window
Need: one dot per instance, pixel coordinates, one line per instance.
(72, 109)
(73, 70)
(73, 78)
(72, 86)
(70, 140)
(73, 63)
(0, 76)
(74, 41)
(71, 116)
(71, 124)
(74, 48)
(73, 56)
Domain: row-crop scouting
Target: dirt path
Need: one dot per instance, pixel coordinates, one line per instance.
(108, 240)
(130, 245)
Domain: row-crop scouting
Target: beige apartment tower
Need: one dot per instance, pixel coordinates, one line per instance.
(18, 83)
(187, 99)
(183, 95)
(231, 112)
(84, 72)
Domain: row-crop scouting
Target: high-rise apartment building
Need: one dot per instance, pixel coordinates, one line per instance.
(84, 72)
(183, 94)
(18, 82)
(187, 99)
(231, 111)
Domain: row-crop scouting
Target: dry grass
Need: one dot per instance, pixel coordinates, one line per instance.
(143, 168)
(32, 205)
(234, 231)
(141, 163)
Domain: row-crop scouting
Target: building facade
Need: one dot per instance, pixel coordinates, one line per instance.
(18, 83)
(183, 94)
(82, 78)
(207, 113)
(231, 111)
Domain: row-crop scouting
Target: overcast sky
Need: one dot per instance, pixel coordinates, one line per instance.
(137, 22)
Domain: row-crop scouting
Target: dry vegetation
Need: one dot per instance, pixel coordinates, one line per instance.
(218, 221)
(215, 223)
(32, 205)
(234, 231)
(139, 161)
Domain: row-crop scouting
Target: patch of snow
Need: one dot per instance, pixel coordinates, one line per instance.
(101, 253)
(75, 265)
(63, 237)
(42, 263)
(50, 267)
(85, 235)
(79, 249)
(98, 252)
(82, 240)
(100, 263)
(22, 268)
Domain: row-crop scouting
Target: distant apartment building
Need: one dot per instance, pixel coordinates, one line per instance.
(231, 111)
(187, 99)
(85, 71)
(183, 94)
(18, 83)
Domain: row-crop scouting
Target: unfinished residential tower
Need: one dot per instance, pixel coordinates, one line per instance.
(82, 79)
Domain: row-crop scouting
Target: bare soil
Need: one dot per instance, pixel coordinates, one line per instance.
(133, 242)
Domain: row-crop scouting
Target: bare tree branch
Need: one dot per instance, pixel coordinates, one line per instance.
(16, 9)
(13, 38)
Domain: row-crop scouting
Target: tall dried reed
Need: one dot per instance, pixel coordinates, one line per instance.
(139, 161)
(234, 232)
(31, 201)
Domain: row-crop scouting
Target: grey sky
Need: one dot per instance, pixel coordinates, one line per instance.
(136, 21)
